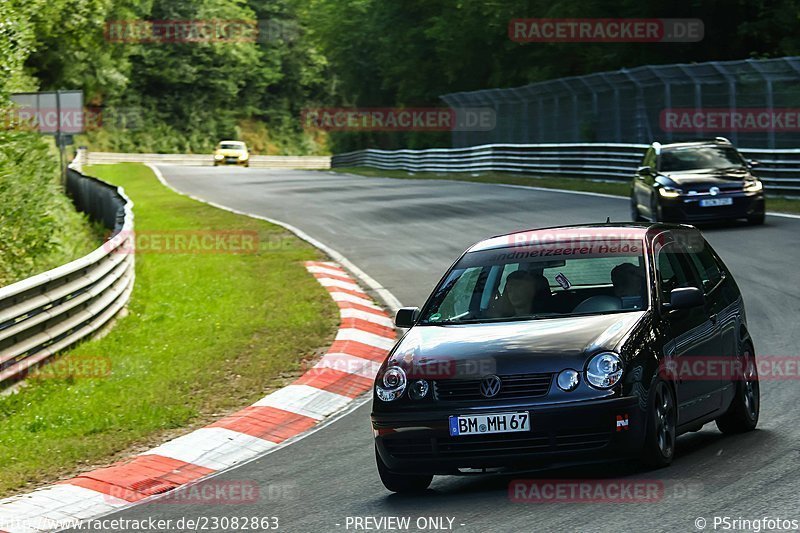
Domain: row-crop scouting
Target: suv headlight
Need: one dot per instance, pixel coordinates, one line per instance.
(604, 370)
(669, 192)
(753, 186)
(392, 384)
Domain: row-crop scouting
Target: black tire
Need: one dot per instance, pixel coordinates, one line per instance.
(402, 483)
(756, 220)
(661, 431)
(635, 215)
(742, 415)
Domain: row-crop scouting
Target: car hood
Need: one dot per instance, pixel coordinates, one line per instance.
(520, 347)
(230, 153)
(704, 180)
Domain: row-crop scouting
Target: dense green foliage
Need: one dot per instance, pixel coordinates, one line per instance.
(411, 52)
(39, 228)
(367, 53)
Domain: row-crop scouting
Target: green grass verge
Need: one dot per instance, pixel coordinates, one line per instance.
(775, 204)
(205, 334)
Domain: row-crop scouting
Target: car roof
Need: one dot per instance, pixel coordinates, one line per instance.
(718, 141)
(232, 142)
(577, 233)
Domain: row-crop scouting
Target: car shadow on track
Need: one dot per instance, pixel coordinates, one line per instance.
(693, 453)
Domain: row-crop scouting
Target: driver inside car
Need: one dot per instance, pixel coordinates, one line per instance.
(521, 296)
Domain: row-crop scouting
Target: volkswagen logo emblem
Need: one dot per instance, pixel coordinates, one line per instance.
(713, 191)
(490, 386)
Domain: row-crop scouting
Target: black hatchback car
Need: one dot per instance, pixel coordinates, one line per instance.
(705, 181)
(565, 345)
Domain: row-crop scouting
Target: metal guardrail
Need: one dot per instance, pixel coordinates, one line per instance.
(779, 169)
(257, 161)
(43, 314)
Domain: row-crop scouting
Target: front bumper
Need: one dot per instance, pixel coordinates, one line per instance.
(231, 161)
(687, 207)
(584, 431)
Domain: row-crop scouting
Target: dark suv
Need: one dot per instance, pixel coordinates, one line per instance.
(696, 182)
(550, 346)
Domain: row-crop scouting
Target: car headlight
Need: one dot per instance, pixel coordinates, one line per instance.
(242, 157)
(604, 370)
(669, 192)
(392, 384)
(218, 156)
(753, 186)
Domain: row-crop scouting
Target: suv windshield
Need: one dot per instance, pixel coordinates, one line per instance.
(700, 157)
(541, 281)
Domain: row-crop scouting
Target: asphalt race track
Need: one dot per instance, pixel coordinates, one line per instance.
(405, 233)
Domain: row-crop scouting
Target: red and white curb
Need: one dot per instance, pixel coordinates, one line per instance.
(365, 335)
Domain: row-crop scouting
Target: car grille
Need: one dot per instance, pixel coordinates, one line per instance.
(513, 387)
(494, 445)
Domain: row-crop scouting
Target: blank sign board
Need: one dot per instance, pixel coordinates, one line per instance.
(51, 112)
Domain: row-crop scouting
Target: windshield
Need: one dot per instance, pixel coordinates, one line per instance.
(541, 281)
(700, 157)
(231, 146)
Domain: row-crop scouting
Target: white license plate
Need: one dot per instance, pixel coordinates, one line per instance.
(711, 202)
(492, 423)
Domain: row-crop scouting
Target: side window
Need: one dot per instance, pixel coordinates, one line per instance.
(672, 272)
(459, 298)
(707, 269)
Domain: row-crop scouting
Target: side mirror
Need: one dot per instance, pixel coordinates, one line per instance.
(752, 163)
(644, 171)
(686, 298)
(406, 316)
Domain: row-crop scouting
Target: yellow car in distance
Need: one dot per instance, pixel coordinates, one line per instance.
(232, 153)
